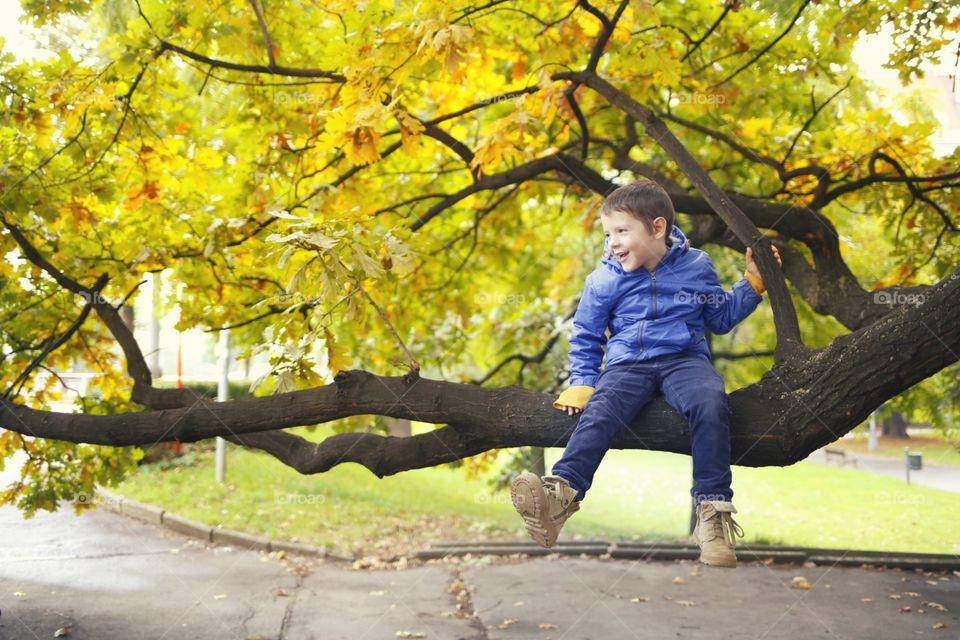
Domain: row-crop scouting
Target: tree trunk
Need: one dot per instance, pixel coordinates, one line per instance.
(895, 426)
(539, 465)
(400, 428)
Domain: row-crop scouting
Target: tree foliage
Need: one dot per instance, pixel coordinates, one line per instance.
(397, 185)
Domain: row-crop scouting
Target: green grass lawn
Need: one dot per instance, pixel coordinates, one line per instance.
(935, 450)
(637, 495)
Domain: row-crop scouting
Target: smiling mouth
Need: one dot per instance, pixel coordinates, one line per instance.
(621, 256)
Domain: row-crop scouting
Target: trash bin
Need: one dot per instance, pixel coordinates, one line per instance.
(915, 460)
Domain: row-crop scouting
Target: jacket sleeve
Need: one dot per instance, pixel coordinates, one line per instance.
(589, 336)
(724, 310)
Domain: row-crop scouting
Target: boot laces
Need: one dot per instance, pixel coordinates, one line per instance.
(724, 525)
(553, 488)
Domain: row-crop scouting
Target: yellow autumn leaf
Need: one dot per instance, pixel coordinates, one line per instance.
(750, 127)
(337, 359)
(410, 129)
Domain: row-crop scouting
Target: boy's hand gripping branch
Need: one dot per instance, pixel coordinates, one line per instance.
(752, 274)
(574, 399)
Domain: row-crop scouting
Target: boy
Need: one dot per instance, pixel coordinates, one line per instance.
(656, 294)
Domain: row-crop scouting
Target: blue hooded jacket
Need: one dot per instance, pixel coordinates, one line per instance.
(651, 314)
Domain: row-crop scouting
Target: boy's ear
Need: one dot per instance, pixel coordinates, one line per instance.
(659, 227)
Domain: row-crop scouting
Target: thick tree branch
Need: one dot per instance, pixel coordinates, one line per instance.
(521, 173)
(794, 409)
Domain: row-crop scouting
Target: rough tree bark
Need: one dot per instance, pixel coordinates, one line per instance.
(795, 408)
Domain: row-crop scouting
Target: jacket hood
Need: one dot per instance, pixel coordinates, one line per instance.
(678, 246)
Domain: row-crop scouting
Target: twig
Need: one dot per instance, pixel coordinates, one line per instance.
(414, 371)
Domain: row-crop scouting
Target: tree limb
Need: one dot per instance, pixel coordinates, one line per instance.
(791, 411)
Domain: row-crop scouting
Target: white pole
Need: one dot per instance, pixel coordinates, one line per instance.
(873, 442)
(154, 361)
(223, 393)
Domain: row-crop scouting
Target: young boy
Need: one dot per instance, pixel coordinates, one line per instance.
(656, 294)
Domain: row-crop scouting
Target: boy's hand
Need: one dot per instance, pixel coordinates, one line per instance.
(570, 410)
(573, 399)
(752, 266)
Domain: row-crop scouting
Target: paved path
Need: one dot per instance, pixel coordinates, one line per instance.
(937, 476)
(104, 576)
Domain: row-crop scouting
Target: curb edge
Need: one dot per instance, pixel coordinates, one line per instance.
(152, 514)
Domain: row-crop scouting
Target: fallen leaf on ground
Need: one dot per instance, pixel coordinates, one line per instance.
(799, 582)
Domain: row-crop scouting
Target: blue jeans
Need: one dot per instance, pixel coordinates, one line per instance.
(690, 385)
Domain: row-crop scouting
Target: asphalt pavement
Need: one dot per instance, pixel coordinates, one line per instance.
(103, 575)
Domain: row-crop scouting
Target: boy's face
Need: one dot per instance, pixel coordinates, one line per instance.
(630, 241)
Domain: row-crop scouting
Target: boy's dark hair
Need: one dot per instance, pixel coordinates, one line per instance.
(644, 200)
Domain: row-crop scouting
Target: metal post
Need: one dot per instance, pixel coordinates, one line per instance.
(906, 460)
(154, 344)
(873, 442)
(223, 394)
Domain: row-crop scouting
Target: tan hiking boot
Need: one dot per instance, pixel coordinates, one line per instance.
(544, 503)
(716, 533)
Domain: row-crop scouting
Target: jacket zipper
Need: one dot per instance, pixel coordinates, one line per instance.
(653, 281)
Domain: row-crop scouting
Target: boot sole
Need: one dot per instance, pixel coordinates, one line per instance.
(526, 493)
(719, 561)
(722, 560)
